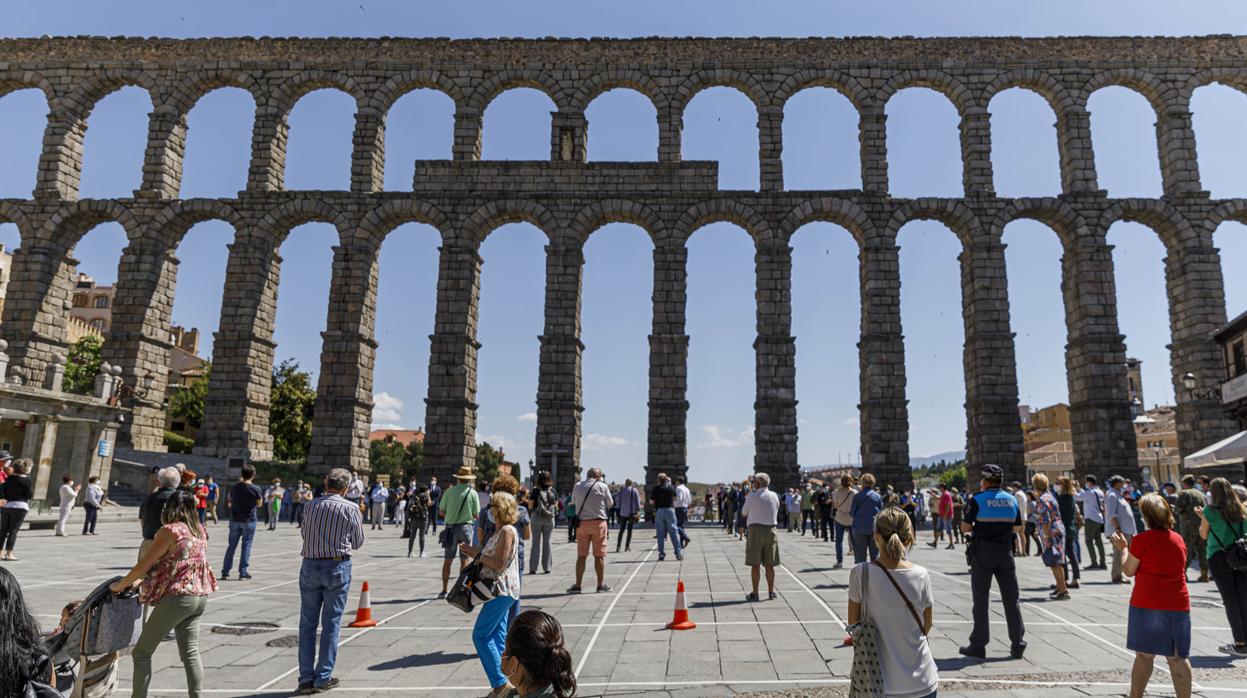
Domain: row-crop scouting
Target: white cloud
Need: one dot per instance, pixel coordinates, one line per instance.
(594, 442)
(853, 422)
(387, 410)
(717, 437)
(527, 417)
(498, 441)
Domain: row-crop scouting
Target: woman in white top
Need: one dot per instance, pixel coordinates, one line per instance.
(499, 558)
(902, 612)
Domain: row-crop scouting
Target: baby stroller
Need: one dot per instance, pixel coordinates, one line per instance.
(85, 650)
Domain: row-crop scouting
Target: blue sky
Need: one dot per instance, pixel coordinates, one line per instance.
(820, 152)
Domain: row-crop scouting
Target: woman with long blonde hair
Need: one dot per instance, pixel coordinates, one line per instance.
(500, 559)
(898, 598)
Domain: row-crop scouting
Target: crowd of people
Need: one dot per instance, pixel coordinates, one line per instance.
(1154, 539)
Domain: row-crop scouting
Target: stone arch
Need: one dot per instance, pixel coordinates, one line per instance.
(382, 220)
(1231, 77)
(183, 96)
(295, 87)
(81, 102)
(1173, 228)
(1156, 92)
(504, 80)
(399, 85)
(592, 217)
(846, 85)
(841, 212)
(1232, 210)
(484, 220)
(941, 82)
(740, 80)
(1038, 81)
(14, 81)
(10, 212)
(73, 220)
(599, 83)
(278, 223)
(952, 213)
(724, 210)
(173, 222)
(1058, 215)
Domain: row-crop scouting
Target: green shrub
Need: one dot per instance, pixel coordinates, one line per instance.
(176, 443)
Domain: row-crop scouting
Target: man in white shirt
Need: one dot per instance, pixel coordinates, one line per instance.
(593, 502)
(69, 494)
(1019, 541)
(1093, 523)
(842, 513)
(760, 511)
(683, 498)
(1119, 518)
(379, 496)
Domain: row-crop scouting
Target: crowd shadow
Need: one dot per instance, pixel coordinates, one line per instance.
(959, 663)
(419, 660)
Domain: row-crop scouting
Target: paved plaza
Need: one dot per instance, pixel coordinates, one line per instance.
(790, 646)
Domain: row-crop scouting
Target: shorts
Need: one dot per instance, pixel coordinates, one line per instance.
(456, 534)
(762, 546)
(1162, 633)
(593, 531)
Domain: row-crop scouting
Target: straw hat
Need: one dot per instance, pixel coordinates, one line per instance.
(465, 472)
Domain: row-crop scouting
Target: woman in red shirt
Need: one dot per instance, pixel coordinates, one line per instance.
(1160, 607)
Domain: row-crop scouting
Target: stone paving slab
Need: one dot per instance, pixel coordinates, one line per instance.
(790, 646)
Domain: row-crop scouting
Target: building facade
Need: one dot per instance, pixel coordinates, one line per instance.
(1233, 340)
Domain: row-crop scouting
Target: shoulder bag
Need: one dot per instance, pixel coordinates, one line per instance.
(445, 534)
(477, 584)
(1236, 552)
(866, 676)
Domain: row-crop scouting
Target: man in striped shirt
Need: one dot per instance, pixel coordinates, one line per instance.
(332, 530)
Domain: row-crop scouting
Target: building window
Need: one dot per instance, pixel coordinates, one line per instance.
(101, 301)
(80, 300)
(97, 324)
(1240, 359)
(177, 427)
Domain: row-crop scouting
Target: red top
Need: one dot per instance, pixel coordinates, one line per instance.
(946, 505)
(1160, 583)
(201, 497)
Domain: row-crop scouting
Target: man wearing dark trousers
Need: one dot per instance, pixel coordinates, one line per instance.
(993, 518)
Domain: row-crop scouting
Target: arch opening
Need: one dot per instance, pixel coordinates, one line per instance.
(115, 145)
(24, 114)
(516, 125)
(218, 144)
(1123, 136)
(1217, 114)
(319, 144)
(721, 124)
(623, 126)
(1025, 155)
(1231, 239)
(924, 144)
(821, 149)
(1139, 276)
(419, 126)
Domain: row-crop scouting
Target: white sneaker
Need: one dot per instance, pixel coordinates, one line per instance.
(424, 554)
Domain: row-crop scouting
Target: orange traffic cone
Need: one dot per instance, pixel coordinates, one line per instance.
(680, 621)
(363, 616)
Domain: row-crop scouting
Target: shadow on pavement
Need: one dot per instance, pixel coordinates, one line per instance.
(415, 660)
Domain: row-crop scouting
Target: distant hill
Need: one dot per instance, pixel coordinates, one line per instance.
(947, 456)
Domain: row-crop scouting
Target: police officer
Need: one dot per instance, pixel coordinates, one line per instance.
(993, 519)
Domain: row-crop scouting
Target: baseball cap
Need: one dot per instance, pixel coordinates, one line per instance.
(993, 472)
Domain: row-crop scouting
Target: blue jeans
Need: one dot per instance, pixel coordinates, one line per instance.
(323, 589)
(489, 635)
(841, 531)
(864, 543)
(664, 521)
(244, 530)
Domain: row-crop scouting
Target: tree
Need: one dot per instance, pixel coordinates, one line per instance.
(955, 476)
(82, 365)
(187, 402)
(487, 460)
(387, 456)
(414, 459)
(291, 404)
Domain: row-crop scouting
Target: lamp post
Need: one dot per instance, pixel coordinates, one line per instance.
(125, 392)
(1189, 382)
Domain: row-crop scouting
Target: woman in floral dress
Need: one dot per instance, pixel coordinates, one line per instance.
(176, 580)
(1051, 534)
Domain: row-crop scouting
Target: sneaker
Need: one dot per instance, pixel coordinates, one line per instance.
(573, 589)
(441, 594)
(1017, 651)
(972, 652)
(950, 547)
(1074, 585)
(626, 550)
(751, 596)
(838, 566)
(245, 575)
(603, 588)
(222, 577)
(770, 596)
(679, 558)
(329, 685)
(307, 688)
(423, 554)
(932, 545)
(1233, 650)
(1063, 596)
(662, 557)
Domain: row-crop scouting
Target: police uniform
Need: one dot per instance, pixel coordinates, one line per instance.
(994, 513)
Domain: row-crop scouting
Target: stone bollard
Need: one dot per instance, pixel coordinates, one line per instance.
(54, 377)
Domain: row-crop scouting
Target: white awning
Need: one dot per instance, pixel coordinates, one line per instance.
(1231, 451)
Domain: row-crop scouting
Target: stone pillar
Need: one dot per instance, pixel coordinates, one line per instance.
(881, 350)
(560, 402)
(873, 137)
(368, 153)
(976, 152)
(993, 426)
(569, 136)
(670, 134)
(1095, 363)
(236, 409)
(39, 445)
(343, 414)
(771, 148)
(139, 339)
(268, 149)
(36, 309)
(1073, 130)
(60, 164)
(775, 404)
(1196, 309)
(1175, 140)
(450, 420)
(668, 365)
(467, 144)
(166, 147)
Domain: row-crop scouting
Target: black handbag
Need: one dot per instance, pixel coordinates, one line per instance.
(472, 586)
(1235, 553)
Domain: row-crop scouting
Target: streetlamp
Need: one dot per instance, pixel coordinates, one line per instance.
(132, 393)
(1189, 382)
